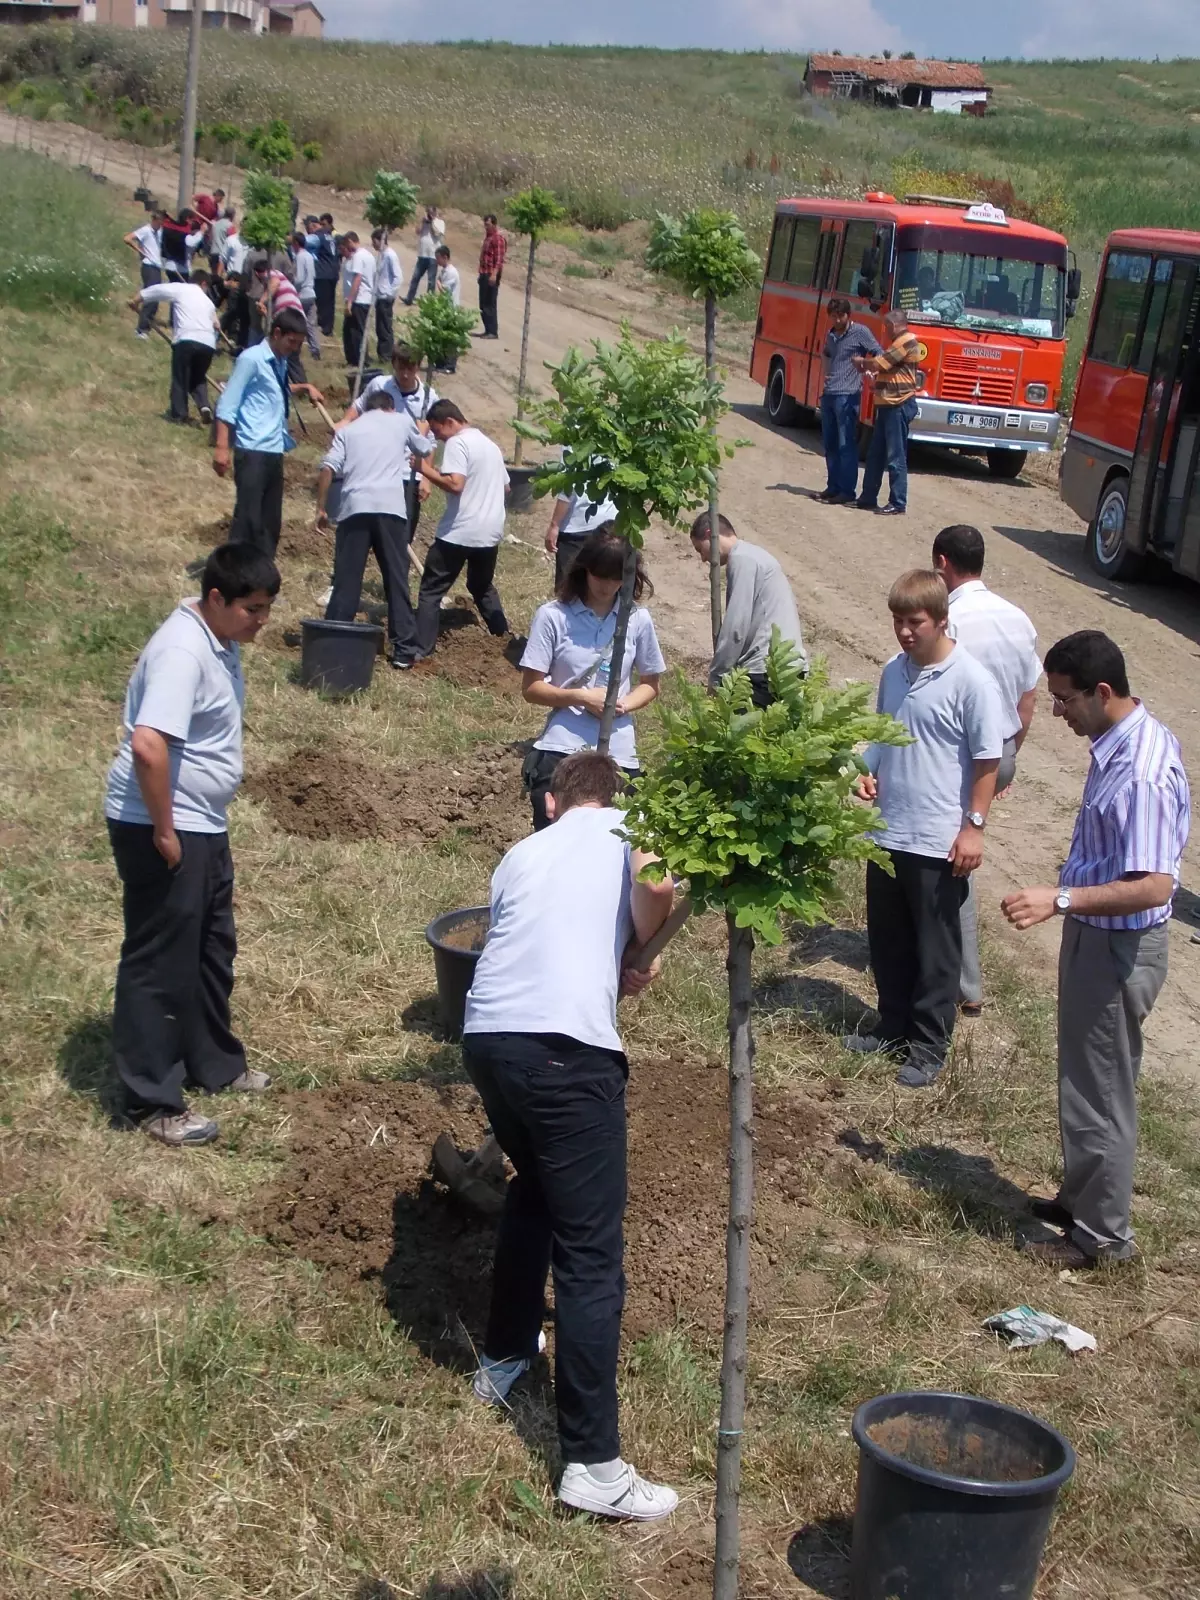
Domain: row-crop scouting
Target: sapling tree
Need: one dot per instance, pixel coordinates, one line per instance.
(438, 332)
(530, 213)
(755, 809)
(228, 136)
(311, 152)
(273, 144)
(391, 202)
(708, 255)
(637, 427)
(267, 224)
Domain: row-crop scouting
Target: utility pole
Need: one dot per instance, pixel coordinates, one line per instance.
(187, 138)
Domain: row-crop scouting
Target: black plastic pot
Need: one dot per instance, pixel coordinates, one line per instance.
(338, 657)
(453, 965)
(520, 492)
(141, 193)
(955, 1498)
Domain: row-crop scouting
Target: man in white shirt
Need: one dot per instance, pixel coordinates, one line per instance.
(147, 242)
(304, 276)
(934, 795)
(449, 282)
(178, 767)
(194, 341)
(572, 518)
(540, 1044)
(387, 286)
(358, 294)
(474, 479)
(1003, 639)
(431, 230)
(409, 395)
(371, 459)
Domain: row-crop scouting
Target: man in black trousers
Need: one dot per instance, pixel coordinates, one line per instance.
(178, 766)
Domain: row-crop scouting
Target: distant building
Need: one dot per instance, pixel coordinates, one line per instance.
(953, 86)
(236, 16)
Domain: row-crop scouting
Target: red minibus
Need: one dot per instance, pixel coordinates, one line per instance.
(1129, 466)
(987, 296)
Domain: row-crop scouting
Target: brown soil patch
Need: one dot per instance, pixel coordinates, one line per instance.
(981, 1454)
(358, 1197)
(468, 936)
(322, 793)
(470, 656)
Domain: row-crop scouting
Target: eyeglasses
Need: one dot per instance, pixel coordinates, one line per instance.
(1062, 701)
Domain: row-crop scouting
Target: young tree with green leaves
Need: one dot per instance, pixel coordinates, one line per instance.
(391, 202)
(311, 152)
(273, 144)
(228, 136)
(530, 213)
(708, 255)
(637, 426)
(755, 809)
(267, 224)
(438, 332)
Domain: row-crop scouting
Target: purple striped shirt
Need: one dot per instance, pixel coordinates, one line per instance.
(1134, 816)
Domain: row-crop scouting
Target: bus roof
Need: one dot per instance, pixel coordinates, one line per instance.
(920, 215)
(1168, 239)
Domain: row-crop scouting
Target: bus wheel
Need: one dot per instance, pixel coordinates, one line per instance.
(1108, 549)
(1005, 463)
(781, 408)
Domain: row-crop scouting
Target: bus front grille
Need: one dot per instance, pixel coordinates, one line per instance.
(964, 380)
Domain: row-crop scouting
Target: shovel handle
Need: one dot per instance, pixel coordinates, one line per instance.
(644, 958)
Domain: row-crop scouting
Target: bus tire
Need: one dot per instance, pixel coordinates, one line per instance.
(780, 407)
(1108, 550)
(1006, 463)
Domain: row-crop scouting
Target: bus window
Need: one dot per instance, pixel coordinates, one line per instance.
(860, 261)
(804, 251)
(781, 243)
(965, 290)
(1120, 310)
(1159, 288)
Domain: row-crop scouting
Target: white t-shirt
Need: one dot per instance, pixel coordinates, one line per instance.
(429, 236)
(192, 312)
(413, 403)
(233, 254)
(474, 518)
(362, 262)
(387, 281)
(560, 923)
(571, 646)
(450, 281)
(188, 686)
(150, 239)
(1001, 637)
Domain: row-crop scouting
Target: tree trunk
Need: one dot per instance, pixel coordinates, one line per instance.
(362, 350)
(624, 608)
(737, 1261)
(714, 524)
(518, 447)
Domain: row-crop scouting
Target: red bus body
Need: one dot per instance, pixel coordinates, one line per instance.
(985, 295)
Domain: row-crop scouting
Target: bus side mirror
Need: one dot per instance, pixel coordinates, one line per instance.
(1074, 289)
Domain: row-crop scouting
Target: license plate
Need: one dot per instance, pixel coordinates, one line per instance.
(975, 419)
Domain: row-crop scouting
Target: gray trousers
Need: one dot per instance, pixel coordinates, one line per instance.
(1108, 981)
(970, 985)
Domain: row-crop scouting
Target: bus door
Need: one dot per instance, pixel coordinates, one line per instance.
(859, 275)
(800, 301)
(1167, 354)
(824, 277)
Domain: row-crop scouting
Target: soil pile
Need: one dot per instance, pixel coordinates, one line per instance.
(470, 656)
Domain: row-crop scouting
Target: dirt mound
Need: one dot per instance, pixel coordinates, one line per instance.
(358, 1198)
(322, 793)
(470, 656)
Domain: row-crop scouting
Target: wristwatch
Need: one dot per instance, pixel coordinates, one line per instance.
(1062, 902)
(977, 819)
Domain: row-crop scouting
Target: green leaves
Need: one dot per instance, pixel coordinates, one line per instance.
(391, 201)
(272, 143)
(707, 253)
(533, 210)
(311, 151)
(437, 329)
(267, 224)
(754, 807)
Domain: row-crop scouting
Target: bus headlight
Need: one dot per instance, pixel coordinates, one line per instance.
(1037, 393)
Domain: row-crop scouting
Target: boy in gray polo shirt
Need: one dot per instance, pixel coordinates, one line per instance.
(934, 795)
(178, 766)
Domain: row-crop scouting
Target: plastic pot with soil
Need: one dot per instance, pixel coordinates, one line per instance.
(519, 498)
(456, 939)
(955, 1498)
(141, 192)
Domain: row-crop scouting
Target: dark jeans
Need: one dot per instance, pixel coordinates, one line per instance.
(412, 501)
(889, 448)
(384, 337)
(760, 690)
(915, 940)
(147, 314)
(537, 771)
(558, 1109)
(426, 267)
(235, 319)
(569, 546)
(171, 1023)
(258, 509)
(387, 536)
(354, 331)
(189, 376)
(326, 293)
(489, 294)
(839, 433)
(443, 564)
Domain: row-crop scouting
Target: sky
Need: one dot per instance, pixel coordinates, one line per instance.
(1129, 28)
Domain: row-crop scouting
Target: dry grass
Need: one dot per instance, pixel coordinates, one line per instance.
(187, 1412)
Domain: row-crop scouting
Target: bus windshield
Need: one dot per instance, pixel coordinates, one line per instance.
(965, 290)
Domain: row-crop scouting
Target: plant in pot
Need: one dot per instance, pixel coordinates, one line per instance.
(708, 255)
(267, 223)
(391, 202)
(755, 809)
(529, 213)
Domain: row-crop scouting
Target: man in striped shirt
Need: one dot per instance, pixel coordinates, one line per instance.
(1114, 894)
(898, 380)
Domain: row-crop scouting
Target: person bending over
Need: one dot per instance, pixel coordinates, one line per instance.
(758, 598)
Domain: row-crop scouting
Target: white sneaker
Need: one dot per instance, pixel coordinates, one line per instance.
(628, 1497)
(252, 1081)
(494, 1379)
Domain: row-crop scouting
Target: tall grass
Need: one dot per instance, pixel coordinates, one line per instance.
(61, 239)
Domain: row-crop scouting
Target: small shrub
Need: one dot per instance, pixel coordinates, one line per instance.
(600, 208)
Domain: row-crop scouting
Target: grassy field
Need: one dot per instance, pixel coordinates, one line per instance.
(188, 1410)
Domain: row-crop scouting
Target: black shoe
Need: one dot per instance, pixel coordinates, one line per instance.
(916, 1074)
(402, 663)
(866, 505)
(843, 500)
(1050, 1211)
(827, 496)
(889, 511)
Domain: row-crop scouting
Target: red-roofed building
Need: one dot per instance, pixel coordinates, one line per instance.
(953, 86)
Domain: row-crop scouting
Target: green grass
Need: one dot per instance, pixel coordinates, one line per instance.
(63, 245)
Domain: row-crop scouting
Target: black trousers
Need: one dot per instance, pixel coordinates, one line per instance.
(412, 501)
(148, 313)
(489, 294)
(537, 772)
(558, 1109)
(354, 331)
(326, 292)
(443, 564)
(384, 338)
(915, 938)
(171, 1024)
(235, 319)
(258, 509)
(569, 546)
(189, 376)
(387, 536)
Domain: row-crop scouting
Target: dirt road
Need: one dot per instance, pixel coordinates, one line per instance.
(842, 562)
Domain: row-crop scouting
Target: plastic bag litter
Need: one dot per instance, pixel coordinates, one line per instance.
(1025, 1327)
